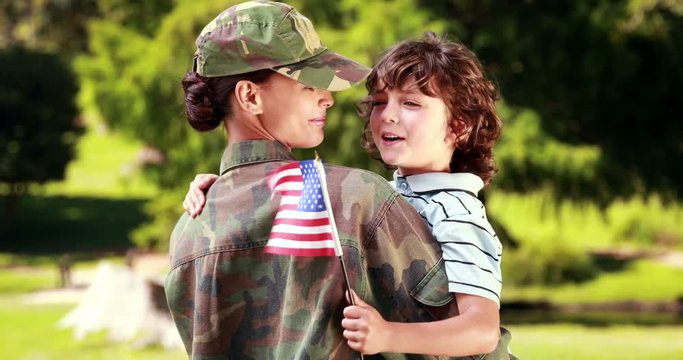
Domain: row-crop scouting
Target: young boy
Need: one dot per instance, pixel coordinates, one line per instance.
(431, 114)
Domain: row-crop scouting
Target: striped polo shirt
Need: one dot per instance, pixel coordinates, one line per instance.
(448, 202)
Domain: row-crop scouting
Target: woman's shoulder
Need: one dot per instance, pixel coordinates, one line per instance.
(358, 180)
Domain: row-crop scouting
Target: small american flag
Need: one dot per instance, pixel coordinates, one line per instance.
(302, 225)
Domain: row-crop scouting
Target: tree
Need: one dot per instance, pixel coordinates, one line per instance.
(131, 79)
(599, 74)
(570, 74)
(61, 25)
(39, 125)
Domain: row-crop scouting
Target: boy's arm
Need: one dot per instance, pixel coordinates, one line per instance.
(474, 331)
(195, 198)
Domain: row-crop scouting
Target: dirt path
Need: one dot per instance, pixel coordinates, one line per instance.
(673, 259)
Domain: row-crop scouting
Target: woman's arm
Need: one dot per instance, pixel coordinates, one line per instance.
(474, 331)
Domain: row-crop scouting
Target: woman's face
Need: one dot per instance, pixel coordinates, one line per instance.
(294, 113)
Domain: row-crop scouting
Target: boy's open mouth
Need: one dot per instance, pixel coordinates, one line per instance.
(391, 138)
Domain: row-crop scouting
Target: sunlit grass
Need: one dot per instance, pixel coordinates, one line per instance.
(31, 332)
(23, 280)
(105, 166)
(575, 342)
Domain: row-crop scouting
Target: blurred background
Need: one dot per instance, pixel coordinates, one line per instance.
(95, 157)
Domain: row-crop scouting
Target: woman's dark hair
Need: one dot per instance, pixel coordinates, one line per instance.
(207, 100)
(450, 71)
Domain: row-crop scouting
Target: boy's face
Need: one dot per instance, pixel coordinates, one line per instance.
(411, 130)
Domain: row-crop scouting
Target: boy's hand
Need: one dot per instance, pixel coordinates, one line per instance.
(196, 197)
(364, 328)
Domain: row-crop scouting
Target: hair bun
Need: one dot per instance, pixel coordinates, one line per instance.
(199, 108)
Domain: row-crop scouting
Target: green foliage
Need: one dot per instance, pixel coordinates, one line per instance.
(143, 16)
(154, 234)
(55, 26)
(589, 68)
(57, 224)
(555, 264)
(529, 158)
(555, 236)
(646, 222)
(60, 26)
(39, 128)
(539, 219)
(131, 80)
(570, 73)
(641, 280)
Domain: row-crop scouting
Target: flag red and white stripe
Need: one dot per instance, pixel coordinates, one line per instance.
(303, 226)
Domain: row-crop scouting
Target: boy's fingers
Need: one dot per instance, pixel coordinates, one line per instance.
(352, 312)
(204, 181)
(197, 196)
(356, 299)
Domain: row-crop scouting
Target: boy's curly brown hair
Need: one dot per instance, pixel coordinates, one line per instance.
(452, 72)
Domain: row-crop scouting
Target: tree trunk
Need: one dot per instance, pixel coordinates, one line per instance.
(11, 206)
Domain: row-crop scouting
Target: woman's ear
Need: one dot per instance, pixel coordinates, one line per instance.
(248, 97)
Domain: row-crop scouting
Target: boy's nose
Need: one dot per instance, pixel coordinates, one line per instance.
(389, 115)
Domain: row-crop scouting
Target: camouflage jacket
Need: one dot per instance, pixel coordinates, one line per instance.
(230, 300)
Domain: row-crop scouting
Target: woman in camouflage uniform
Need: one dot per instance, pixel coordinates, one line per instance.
(261, 71)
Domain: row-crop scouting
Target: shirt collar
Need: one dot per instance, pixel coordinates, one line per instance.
(253, 151)
(436, 181)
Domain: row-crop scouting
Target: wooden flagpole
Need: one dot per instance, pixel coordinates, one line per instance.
(337, 243)
(333, 224)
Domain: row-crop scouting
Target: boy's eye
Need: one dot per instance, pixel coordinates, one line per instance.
(306, 87)
(411, 103)
(378, 102)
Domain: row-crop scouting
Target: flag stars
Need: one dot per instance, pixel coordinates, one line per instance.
(306, 230)
(312, 198)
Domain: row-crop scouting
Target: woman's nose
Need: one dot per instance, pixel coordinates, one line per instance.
(326, 100)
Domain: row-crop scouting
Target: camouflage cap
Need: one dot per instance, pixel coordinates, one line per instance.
(258, 35)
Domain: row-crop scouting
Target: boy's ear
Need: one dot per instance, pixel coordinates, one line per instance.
(458, 132)
(248, 97)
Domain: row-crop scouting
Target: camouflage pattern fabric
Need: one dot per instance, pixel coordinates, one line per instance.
(230, 300)
(259, 35)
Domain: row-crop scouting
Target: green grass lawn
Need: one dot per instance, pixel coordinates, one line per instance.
(30, 332)
(105, 166)
(575, 342)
